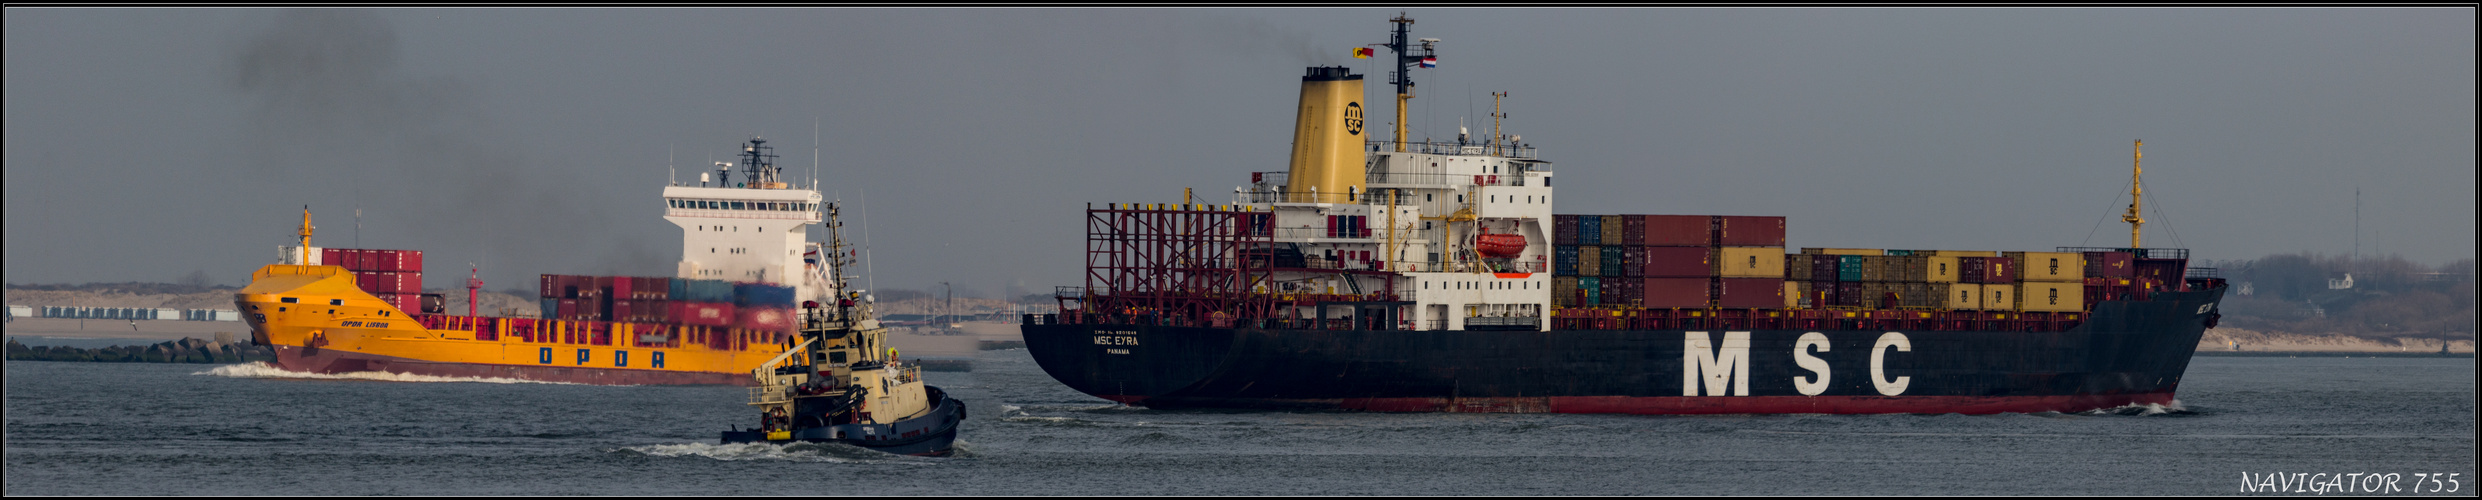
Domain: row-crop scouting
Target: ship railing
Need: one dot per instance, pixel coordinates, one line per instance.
(1504, 321)
(741, 214)
(1450, 148)
(2143, 253)
(769, 394)
(2203, 272)
(1431, 179)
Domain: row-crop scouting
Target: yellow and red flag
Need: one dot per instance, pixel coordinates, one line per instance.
(1363, 52)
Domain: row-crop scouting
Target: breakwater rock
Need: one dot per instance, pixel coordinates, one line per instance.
(190, 350)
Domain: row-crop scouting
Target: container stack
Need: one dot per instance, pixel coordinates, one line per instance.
(2110, 276)
(395, 276)
(676, 301)
(2049, 281)
(1667, 261)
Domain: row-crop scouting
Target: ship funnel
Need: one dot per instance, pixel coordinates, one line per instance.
(1327, 138)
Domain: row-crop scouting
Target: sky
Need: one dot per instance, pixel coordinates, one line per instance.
(148, 144)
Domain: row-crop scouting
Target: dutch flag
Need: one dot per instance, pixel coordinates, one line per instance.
(1430, 62)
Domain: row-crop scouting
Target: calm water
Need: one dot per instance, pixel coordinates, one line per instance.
(155, 429)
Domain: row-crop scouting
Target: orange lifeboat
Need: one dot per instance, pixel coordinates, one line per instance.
(1499, 246)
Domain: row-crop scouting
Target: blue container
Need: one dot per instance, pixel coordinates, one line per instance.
(762, 295)
(551, 308)
(1564, 260)
(1590, 230)
(1611, 260)
(678, 290)
(1849, 267)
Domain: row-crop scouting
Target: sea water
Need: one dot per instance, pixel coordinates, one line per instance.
(174, 429)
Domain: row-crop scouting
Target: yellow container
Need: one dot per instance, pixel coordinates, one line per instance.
(1999, 297)
(2051, 296)
(1749, 262)
(1963, 253)
(2049, 266)
(1792, 294)
(1939, 269)
(1844, 251)
(1959, 296)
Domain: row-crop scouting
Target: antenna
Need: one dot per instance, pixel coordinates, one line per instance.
(872, 278)
(1405, 59)
(673, 170)
(814, 152)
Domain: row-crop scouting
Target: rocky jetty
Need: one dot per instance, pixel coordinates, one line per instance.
(189, 350)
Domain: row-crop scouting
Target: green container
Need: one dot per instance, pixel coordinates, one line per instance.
(1851, 267)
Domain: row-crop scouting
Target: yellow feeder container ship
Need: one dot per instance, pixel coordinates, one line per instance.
(323, 319)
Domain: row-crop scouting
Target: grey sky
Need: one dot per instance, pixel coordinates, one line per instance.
(142, 144)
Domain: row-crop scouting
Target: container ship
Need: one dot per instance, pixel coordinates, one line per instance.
(1392, 275)
(746, 260)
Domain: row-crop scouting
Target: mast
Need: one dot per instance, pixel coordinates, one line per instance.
(1402, 77)
(2137, 193)
(305, 259)
(1496, 116)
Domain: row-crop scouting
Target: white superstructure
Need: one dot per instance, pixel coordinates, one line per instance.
(753, 229)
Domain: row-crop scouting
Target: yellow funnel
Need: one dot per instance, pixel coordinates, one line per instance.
(1327, 137)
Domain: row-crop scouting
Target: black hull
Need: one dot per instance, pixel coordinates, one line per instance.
(2126, 352)
(933, 434)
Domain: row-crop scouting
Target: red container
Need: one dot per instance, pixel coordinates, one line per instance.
(1824, 267)
(1986, 270)
(1678, 262)
(409, 261)
(1677, 231)
(551, 286)
(621, 311)
(1667, 293)
(1633, 231)
(602, 285)
(331, 257)
(1749, 231)
(672, 311)
(706, 314)
(655, 288)
(768, 319)
(1849, 294)
(2165, 271)
(1749, 293)
(2110, 265)
(1564, 229)
(622, 287)
(385, 260)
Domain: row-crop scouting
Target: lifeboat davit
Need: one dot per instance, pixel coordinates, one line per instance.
(1499, 246)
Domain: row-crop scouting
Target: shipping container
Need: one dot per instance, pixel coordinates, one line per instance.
(602, 286)
(2160, 270)
(1633, 291)
(1794, 292)
(550, 310)
(1590, 230)
(1959, 296)
(386, 261)
(1614, 293)
(1797, 267)
(331, 257)
(1633, 262)
(1851, 268)
(1964, 253)
(706, 314)
(622, 310)
(1678, 262)
(2052, 296)
(1633, 230)
(1589, 260)
(1749, 293)
(1998, 296)
(410, 261)
(2110, 264)
(765, 318)
(1843, 251)
(1592, 288)
(1678, 230)
(1564, 229)
(1612, 260)
(1750, 262)
(1675, 293)
(1986, 270)
(1849, 293)
(1749, 231)
(762, 295)
(2048, 266)
(1564, 291)
(1939, 269)
(654, 288)
(550, 286)
(1564, 260)
(1613, 227)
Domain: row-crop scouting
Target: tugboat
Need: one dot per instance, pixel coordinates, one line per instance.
(840, 383)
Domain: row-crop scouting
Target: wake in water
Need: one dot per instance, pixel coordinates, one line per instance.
(2145, 410)
(792, 452)
(260, 369)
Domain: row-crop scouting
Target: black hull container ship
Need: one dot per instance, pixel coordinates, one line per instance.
(1434, 277)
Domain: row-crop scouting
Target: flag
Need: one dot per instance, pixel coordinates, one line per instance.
(1362, 52)
(1430, 62)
